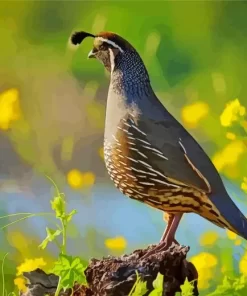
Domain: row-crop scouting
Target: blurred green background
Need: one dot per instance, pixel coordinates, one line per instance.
(52, 106)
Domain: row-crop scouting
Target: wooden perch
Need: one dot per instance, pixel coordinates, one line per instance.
(115, 276)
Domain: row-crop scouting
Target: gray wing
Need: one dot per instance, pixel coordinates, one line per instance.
(172, 151)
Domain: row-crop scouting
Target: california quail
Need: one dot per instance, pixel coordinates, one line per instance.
(148, 153)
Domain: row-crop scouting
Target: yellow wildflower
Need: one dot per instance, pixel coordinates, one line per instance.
(205, 264)
(231, 235)
(209, 238)
(238, 242)
(118, 243)
(77, 179)
(9, 108)
(244, 184)
(20, 283)
(232, 112)
(243, 264)
(192, 114)
(26, 266)
(229, 155)
(231, 136)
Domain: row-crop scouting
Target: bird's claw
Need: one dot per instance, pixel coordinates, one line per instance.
(162, 246)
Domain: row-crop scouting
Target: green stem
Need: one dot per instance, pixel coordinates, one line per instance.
(58, 287)
(3, 272)
(64, 225)
(24, 218)
(57, 243)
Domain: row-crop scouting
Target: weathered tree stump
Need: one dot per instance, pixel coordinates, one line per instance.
(115, 276)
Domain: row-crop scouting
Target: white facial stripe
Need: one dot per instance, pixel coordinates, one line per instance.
(111, 43)
(112, 59)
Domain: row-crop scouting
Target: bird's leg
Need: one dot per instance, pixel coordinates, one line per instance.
(169, 219)
(169, 235)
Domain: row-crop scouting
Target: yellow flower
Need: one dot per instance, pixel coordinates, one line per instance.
(232, 112)
(209, 238)
(205, 264)
(230, 136)
(77, 179)
(29, 265)
(231, 235)
(244, 184)
(20, 283)
(9, 108)
(192, 114)
(243, 264)
(238, 242)
(26, 266)
(229, 155)
(118, 243)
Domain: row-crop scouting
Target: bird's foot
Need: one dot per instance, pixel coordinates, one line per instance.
(162, 246)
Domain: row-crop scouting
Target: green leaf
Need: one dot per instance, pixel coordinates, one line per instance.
(158, 282)
(240, 283)
(69, 216)
(51, 234)
(139, 288)
(158, 285)
(187, 288)
(70, 270)
(58, 205)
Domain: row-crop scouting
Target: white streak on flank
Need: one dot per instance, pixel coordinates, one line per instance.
(136, 128)
(126, 123)
(141, 193)
(182, 145)
(142, 154)
(143, 141)
(131, 176)
(147, 183)
(131, 138)
(151, 148)
(132, 143)
(162, 182)
(162, 175)
(134, 149)
(110, 42)
(115, 138)
(155, 201)
(122, 129)
(132, 159)
(143, 172)
(146, 164)
(162, 156)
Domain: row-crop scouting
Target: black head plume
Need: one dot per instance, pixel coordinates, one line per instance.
(78, 37)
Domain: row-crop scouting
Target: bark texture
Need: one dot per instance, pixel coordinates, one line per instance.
(115, 276)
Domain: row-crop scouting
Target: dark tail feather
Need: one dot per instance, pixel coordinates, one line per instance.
(230, 213)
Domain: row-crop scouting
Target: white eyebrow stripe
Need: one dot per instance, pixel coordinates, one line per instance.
(110, 42)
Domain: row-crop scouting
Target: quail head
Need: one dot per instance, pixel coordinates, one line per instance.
(148, 154)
